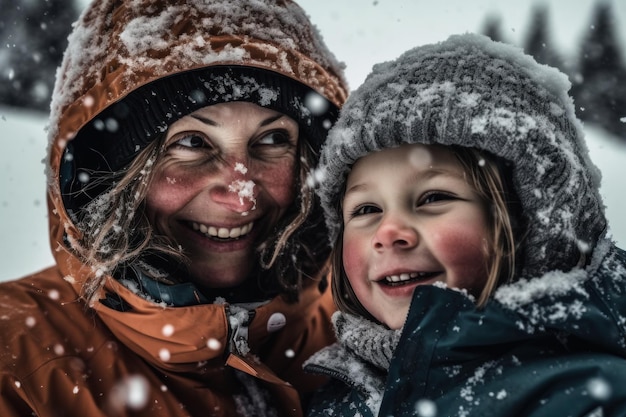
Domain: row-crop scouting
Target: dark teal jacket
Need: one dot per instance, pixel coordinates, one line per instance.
(554, 346)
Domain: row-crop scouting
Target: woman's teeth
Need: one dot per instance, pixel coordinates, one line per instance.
(222, 232)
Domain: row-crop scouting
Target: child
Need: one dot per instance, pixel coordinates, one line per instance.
(472, 265)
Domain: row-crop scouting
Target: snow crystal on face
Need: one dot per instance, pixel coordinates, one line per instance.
(239, 167)
(245, 190)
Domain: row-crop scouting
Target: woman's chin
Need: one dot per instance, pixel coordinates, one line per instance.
(217, 275)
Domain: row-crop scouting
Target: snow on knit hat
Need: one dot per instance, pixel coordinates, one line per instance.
(472, 92)
(133, 67)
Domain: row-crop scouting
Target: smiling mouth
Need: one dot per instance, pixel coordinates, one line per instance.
(407, 278)
(222, 233)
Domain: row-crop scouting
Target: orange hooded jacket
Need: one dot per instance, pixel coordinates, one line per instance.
(61, 355)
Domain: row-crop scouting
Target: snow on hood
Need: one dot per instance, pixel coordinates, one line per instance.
(118, 46)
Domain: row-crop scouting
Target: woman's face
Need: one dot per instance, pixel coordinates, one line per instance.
(411, 218)
(226, 178)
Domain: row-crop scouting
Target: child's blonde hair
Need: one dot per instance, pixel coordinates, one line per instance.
(488, 176)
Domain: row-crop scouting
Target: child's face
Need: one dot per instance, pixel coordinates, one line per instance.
(411, 218)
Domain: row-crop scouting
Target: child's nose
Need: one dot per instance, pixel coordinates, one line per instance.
(395, 233)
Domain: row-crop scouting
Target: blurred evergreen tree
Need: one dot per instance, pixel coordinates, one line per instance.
(539, 43)
(492, 27)
(600, 85)
(33, 37)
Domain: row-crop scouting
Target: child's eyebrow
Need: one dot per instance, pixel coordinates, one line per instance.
(420, 175)
(356, 188)
(426, 174)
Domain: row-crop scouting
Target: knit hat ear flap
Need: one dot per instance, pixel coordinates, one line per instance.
(469, 91)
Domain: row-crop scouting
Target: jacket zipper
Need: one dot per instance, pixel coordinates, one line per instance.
(333, 373)
(238, 323)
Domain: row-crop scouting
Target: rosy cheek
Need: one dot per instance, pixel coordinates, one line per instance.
(353, 259)
(165, 194)
(278, 181)
(463, 253)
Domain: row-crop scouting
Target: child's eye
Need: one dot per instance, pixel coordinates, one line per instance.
(364, 210)
(191, 141)
(434, 197)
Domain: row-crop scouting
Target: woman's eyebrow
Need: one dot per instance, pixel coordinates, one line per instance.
(205, 120)
(211, 122)
(270, 120)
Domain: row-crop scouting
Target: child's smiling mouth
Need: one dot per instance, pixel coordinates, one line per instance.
(407, 278)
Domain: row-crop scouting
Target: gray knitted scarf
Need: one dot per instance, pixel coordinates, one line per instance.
(370, 341)
(362, 355)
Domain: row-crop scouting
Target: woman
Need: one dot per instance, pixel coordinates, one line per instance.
(190, 255)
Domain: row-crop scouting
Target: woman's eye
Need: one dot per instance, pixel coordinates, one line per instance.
(191, 141)
(274, 138)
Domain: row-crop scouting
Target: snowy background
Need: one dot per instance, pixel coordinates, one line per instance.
(360, 33)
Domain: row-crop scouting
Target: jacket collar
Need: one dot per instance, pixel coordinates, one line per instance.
(183, 338)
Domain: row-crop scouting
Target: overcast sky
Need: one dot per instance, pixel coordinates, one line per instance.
(363, 32)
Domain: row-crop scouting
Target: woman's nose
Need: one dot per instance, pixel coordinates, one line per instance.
(394, 232)
(235, 192)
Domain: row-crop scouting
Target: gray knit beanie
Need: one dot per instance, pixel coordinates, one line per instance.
(473, 92)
